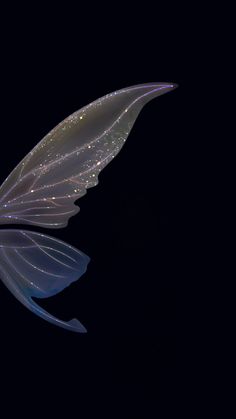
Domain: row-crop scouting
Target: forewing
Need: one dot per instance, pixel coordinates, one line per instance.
(42, 189)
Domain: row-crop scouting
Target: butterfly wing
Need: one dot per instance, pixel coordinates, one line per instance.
(42, 189)
(36, 265)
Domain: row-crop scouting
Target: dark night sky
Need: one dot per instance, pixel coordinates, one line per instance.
(130, 224)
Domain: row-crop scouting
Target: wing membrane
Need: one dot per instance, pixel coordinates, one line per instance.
(37, 265)
(42, 189)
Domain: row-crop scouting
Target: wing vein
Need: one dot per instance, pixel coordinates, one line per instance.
(50, 256)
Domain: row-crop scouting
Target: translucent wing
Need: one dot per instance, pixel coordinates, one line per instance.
(36, 265)
(42, 189)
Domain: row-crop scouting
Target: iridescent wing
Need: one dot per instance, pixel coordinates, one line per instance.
(42, 189)
(37, 265)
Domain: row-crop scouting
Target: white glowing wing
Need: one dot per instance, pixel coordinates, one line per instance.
(42, 189)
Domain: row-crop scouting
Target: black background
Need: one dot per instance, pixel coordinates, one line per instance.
(53, 63)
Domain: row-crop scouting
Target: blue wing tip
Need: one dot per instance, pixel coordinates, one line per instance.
(77, 326)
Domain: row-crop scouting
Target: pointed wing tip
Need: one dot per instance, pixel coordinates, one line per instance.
(77, 326)
(174, 86)
(166, 87)
(150, 91)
